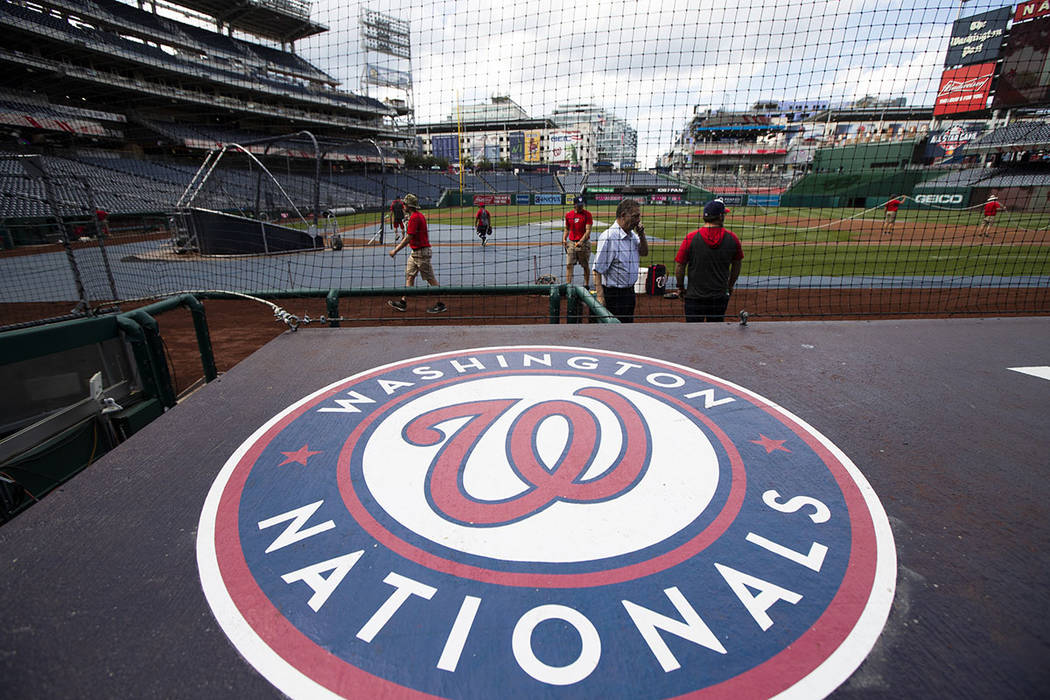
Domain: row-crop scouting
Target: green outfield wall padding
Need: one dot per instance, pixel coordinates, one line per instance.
(864, 157)
(853, 189)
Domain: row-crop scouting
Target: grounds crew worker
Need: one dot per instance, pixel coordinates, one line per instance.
(419, 260)
(577, 241)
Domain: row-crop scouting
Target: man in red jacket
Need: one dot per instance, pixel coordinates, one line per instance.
(712, 255)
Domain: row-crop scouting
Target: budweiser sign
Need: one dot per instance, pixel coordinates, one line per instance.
(964, 89)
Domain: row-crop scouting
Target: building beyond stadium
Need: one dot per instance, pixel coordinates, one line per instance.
(574, 136)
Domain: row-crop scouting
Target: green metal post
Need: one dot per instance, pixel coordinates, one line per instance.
(572, 308)
(155, 347)
(555, 305)
(332, 304)
(200, 325)
(143, 357)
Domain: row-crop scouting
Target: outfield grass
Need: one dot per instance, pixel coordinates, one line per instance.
(671, 224)
(904, 260)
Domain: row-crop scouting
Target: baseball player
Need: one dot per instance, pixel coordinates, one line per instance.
(483, 223)
(397, 218)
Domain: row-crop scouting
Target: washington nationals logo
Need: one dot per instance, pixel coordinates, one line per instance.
(514, 520)
(562, 480)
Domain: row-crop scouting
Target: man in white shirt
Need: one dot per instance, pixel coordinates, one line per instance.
(615, 266)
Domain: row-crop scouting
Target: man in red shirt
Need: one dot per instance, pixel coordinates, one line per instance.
(397, 218)
(577, 241)
(991, 208)
(712, 255)
(483, 223)
(417, 238)
(891, 213)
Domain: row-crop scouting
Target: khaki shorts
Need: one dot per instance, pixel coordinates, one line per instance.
(891, 216)
(419, 264)
(578, 254)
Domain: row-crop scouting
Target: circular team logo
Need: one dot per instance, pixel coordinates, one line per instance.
(523, 521)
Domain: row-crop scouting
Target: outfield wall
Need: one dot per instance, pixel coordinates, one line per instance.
(857, 189)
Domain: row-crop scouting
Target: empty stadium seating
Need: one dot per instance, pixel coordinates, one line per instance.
(1026, 133)
(251, 70)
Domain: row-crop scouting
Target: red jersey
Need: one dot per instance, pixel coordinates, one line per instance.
(416, 230)
(712, 236)
(577, 223)
(992, 208)
(893, 205)
(482, 218)
(397, 210)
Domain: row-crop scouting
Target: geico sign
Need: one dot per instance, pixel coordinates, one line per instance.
(939, 198)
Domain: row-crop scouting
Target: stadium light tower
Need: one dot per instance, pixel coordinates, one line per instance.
(386, 43)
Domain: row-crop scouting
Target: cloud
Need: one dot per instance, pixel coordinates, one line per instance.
(651, 63)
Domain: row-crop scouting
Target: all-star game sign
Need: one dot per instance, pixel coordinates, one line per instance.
(525, 521)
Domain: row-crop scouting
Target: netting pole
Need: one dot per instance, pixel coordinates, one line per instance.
(382, 190)
(101, 227)
(34, 168)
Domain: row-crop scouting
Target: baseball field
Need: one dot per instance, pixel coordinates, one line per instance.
(802, 242)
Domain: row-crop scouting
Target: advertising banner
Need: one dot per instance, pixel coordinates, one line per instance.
(608, 197)
(763, 200)
(533, 139)
(562, 146)
(1025, 75)
(492, 152)
(732, 200)
(521, 199)
(379, 75)
(943, 144)
(977, 39)
(516, 144)
(1031, 10)
(964, 89)
(446, 146)
(488, 199)
(663, 198)
(739, 151)
(953, 197)
(477, 147)
(548, 199)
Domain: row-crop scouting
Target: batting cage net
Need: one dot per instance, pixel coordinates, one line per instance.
(853, 160)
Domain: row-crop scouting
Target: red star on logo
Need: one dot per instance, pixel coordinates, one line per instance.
(770, 444)
(301, 455)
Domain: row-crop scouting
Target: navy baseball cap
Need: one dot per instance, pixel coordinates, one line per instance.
(577, 200)
(715, 209)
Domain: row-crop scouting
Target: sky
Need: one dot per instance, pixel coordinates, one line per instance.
(650, 63)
